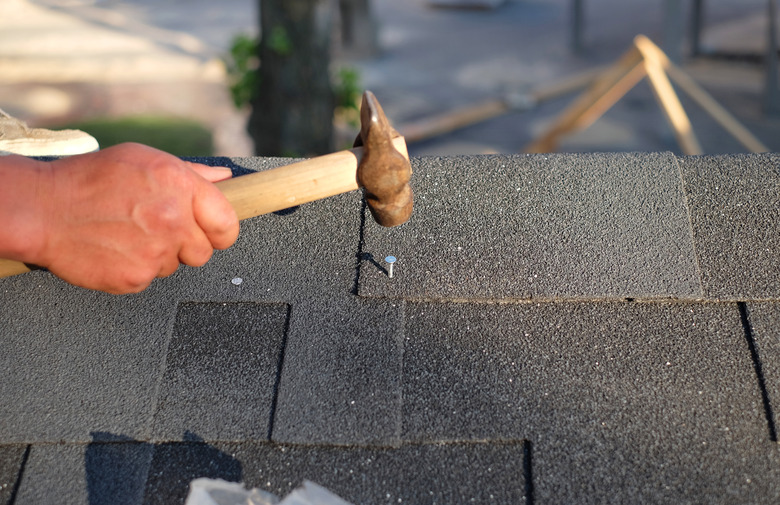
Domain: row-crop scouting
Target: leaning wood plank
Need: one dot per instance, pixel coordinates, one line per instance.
(454, 120)
(667, 98)
(704, 99)
(447, 122)
(597, 99)
(716, 110)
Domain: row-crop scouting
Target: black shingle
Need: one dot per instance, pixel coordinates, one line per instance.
(309, 252)
(420, 474)
(764, 321)
(516, 227)
(97, 473)
(221, 371)
(77, 361)
(11, 463)
(735, 211)
(618, 399)
(341, 376)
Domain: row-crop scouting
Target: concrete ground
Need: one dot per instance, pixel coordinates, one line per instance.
(65, 59)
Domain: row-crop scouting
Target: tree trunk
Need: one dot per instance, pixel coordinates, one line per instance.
(292, 112)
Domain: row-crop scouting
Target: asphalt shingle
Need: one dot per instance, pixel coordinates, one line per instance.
(475, 473)
(764, 320)
(76, 361)
(95, 473)
(442, 384)
(175, 465)
(302, 253)
(341, 375)
(735, 211)
(648, 395)
(221, 371)
(542, 226)
(11, 462)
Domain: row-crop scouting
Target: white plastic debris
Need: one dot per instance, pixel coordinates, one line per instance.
(219, 492)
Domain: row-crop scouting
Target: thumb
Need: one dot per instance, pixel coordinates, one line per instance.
(211, 174)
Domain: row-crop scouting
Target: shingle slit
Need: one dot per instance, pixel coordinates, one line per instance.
(18, 482)
(528, 473)
(361, 244)
(278, 380)
(770, 418)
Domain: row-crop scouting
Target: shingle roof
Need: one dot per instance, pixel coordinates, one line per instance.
(590, 328)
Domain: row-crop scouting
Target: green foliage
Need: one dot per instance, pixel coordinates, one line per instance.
(347, 91)
(279, 41)
(242, 67)
(346, 87)
(243, 74)
(181, 137)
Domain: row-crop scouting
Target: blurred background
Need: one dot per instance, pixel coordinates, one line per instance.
(186, 75)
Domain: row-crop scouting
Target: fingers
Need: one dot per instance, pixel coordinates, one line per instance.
(211, 174)
(214, 215)
(120, 217)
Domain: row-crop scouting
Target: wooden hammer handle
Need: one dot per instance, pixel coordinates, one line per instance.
(279, 188)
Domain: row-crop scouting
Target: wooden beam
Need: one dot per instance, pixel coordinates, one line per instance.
(667, 98)
(605, 91)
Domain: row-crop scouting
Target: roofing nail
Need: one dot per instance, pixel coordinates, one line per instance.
(390, 260)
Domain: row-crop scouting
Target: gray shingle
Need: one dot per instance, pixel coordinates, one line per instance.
(735, 211)
(618, 399)
(516, 227)
(96, 473)
(77, 361)
(764, 318)
(11, 461)
(175, 465)
(476, 473)
(221, 371)
(284, 257)
(341, 376)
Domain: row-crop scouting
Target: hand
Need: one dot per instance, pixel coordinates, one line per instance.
(118, 218)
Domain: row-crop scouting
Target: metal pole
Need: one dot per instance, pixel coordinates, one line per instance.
(576, 26)
(771, 91)
(674, 28)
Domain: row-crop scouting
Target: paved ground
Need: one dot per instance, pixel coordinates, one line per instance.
(62, 59)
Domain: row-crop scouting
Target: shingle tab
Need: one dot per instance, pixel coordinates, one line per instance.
(175, 465)
(735, 212)
(764, 319)
(476, 473)
(517, 227)
(341, 377)
(306, 252)
(100, 472)
(221, 371)
(647, 395)
(11, 460)
(77, 361)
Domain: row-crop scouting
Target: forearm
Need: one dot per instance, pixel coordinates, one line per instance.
(25, 190)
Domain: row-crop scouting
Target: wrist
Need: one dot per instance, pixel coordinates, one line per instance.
(25, 194)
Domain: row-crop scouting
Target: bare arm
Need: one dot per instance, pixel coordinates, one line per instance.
(115, 219)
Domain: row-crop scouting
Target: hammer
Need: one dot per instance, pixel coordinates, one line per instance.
(378, 163)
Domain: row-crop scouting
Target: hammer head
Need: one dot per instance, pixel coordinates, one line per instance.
(383, 172)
